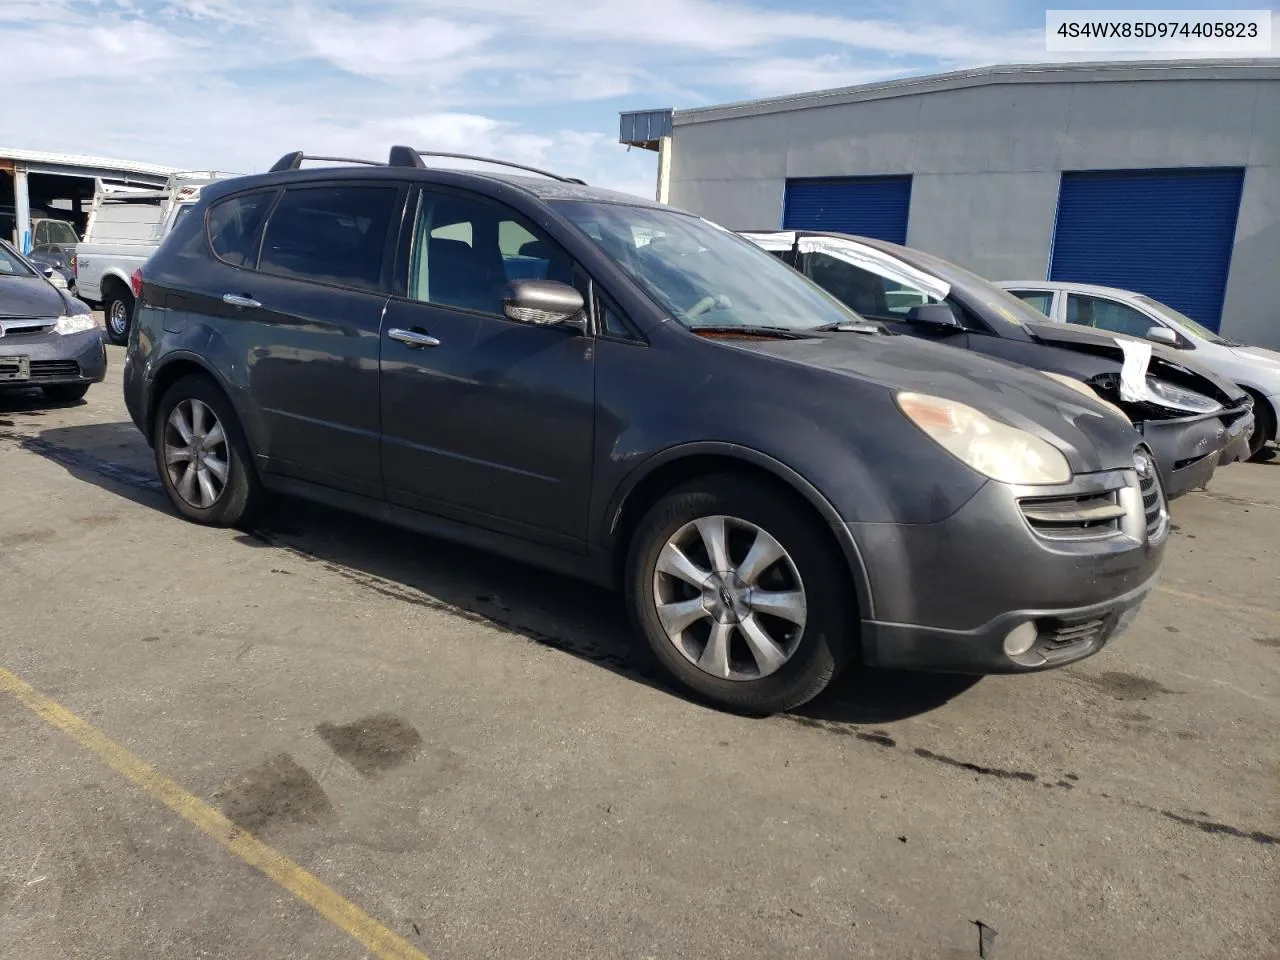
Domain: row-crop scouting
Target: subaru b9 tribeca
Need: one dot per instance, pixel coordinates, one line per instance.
(630, 394)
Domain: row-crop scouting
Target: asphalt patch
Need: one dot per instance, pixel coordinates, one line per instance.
(1022, 775)
(278, 792)
(1209, 826)
(1124, 686)
(373, 744)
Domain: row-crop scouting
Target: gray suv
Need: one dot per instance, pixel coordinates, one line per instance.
(630, 394)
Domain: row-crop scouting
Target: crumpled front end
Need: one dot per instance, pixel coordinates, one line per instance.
(1192, 421)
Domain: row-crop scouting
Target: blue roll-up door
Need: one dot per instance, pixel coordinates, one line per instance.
(866, 206)
(1165, 233)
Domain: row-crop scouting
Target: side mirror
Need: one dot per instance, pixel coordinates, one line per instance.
(934, 315)
(47, 271)
(1159, 334)
(543, 303)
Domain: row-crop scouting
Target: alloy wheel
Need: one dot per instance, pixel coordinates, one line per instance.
(196, 455)
(118, 318)
(729, 598)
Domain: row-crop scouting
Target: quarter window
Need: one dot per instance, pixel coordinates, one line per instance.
(233, 227)
(1041, 300)
(465, 251)
(1107, 315)
(330, 234)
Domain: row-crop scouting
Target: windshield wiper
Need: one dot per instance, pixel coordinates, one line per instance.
(849, 326)
(749, 328)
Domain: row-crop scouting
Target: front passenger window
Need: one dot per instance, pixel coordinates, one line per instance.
(867, 293)
(466, 251)
(1041, 300)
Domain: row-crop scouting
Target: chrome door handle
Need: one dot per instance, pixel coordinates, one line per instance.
(413, 338)
(236, 300)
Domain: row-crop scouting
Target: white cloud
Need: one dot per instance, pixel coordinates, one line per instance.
(234, 83)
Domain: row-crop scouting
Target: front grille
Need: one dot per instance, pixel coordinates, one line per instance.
(54, 369)
(1090, 516)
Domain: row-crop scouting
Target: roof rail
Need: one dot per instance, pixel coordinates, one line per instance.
(292, 161)
(411, 157)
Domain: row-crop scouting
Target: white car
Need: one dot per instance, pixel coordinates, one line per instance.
(1256, 369)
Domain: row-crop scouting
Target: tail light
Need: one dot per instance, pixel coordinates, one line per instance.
(75, 265)
(135, 282)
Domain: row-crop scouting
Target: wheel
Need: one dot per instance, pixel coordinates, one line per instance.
(202, 457)
(118, 310)
(66, 392)
(1264, 427)
(740, 593)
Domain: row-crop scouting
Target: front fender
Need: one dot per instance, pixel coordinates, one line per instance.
(749, 455)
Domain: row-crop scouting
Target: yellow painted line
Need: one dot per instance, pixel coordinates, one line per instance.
(342, 913)
(1224, 604)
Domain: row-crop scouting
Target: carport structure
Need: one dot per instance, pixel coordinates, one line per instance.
(61, 186)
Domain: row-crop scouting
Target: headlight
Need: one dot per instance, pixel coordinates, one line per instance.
(1180, 398)
(75, 323)
(1080, 387)
(996, 449)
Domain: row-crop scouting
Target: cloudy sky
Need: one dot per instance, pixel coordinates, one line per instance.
(232, 84)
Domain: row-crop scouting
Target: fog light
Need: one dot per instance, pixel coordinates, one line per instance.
(1020, 639)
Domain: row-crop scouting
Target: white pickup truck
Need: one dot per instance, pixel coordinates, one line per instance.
(125, 227)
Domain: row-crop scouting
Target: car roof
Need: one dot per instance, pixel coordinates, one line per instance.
(1093, 288)
(537, 187)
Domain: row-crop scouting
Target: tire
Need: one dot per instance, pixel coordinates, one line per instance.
(1264, 427)
(65, 392)
(239, 493)
(815, 651)
(117, 313)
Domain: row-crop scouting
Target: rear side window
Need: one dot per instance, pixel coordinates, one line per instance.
(233, 227)
(330, 234)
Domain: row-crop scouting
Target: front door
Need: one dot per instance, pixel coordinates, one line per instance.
(484, 419)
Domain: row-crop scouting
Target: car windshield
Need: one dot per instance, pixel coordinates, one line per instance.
(1181, 319)
(11, 265)
(702, 274)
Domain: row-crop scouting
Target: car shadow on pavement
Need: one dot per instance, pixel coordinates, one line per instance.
(543, 607)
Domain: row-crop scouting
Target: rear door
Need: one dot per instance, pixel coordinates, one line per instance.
(306, 321)
(488, 421)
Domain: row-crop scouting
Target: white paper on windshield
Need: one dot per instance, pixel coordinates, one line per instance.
(782, 240)
(877, 262)
(1133, 375)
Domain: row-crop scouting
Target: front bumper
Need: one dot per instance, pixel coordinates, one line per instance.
(56, 358)
(1188, 450)
(945, 595)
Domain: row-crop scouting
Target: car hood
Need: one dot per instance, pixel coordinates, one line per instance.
(1164, 361)
(1092, 436)
(29, 297)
